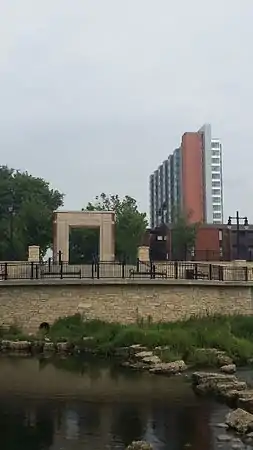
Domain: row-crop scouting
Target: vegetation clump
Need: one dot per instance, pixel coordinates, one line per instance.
(170, 341)
(209, 341)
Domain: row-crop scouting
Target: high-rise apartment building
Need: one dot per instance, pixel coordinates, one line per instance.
(189, 181)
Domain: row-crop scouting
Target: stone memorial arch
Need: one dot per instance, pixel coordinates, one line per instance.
(64, 220)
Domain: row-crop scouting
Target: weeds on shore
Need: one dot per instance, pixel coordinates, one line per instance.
(171, 340)
(232, 334)
(12, 332)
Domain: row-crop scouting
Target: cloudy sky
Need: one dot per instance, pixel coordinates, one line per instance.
(94, 94)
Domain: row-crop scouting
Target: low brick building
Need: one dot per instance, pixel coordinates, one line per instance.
(212, 243)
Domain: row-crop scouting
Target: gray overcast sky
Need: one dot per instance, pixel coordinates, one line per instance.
(94, 94)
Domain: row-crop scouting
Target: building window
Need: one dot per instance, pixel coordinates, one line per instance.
(161, 238)
(215, 183)
(216, 176)
(216, 168)
(216, 192)
(215, 160)
(215, 152)
(216, 207)
(215, 145)
(217, 215)
(216, 199)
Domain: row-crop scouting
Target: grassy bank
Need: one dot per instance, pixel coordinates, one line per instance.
(182, 340)
(179, 340)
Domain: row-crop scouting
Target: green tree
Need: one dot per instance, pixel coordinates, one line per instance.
(83, 245)
(27, 204)
(183, 237)
(130, 226)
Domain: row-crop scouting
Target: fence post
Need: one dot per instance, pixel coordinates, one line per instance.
(195, 271)
(92, 269)
(61, 270)
(154, 271)
(98, 270)
(138, 265)
(220, 273)
(5, 271)
(32, 270)
(246, 273)
(37, 271)
(49, 265)
(123, 269)
(210, 272)
(176, 270)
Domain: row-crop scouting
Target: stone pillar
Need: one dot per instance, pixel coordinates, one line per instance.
(34, 253)
(106, 241)
(62, 241)
(143, 253)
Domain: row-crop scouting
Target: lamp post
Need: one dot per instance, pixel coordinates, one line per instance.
(11, 212)
(238, 219)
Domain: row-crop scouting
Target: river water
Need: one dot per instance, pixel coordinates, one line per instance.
(75, 404)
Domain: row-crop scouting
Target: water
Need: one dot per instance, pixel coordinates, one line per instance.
(72, 404)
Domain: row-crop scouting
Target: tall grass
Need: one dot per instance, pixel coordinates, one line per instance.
(232, 334)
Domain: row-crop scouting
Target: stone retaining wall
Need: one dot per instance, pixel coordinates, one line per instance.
(30, 304)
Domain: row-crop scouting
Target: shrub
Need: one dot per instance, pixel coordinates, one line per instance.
(182, 339)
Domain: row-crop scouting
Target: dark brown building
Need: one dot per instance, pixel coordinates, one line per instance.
(212, 243)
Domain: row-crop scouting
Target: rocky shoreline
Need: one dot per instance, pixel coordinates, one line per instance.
(135, 357)
(235, 393)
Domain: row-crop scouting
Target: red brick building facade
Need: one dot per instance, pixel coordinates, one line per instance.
(212, 243)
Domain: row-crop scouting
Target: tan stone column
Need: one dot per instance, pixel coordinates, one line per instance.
(62, 241)
(143, 253)
(33, 253)
(106, 241)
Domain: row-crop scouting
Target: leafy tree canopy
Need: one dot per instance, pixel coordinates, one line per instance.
(130, 226)
(27, 204)
(183, 237)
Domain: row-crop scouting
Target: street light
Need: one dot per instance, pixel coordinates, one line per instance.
(237, 218)
(11, 212)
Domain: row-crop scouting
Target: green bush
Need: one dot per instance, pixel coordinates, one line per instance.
(232, 334)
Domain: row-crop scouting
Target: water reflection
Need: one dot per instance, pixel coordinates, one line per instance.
(75, 404)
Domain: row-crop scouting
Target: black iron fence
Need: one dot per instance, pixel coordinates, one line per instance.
(189, 270)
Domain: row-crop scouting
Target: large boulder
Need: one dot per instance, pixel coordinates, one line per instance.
(240, 421)
(228, 387)
(140, 445)
(49, 347)
(16, 346)
(220, 389)
(136, 348)
(152, 360)
(144, 354)
(169, 368)
(63, 347)
(229, 368)
(212, 377)
(245, 400)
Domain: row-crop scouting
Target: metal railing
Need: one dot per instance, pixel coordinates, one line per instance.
(189, 270)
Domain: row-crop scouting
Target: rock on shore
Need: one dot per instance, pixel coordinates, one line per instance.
(148, 360)
(139, 445)
(226, 387)
(240, 421)
(234, 392)
(229, 368)
(169, 368)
